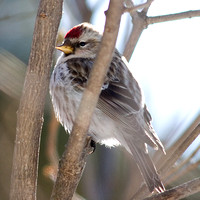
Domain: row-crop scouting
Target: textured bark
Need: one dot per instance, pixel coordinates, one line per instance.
(139, 24)
(178, 192)
(179, 151)
(175, 16)
(168, 163)
(73, 160)
(30, 112)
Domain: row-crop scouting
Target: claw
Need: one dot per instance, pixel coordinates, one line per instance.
(91, 144)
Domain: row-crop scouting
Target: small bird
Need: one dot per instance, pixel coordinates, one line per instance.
(121, 116)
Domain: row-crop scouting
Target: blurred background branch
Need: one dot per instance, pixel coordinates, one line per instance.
(178, 192)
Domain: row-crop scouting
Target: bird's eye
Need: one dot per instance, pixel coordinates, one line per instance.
(82, 44)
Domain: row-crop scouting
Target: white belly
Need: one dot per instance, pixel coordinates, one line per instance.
(66, 100)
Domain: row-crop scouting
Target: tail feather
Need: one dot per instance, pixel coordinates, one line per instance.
(147, 169)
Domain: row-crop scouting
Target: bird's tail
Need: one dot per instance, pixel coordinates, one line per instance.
(147, 169)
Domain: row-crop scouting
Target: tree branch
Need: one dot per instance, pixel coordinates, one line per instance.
(73, 160)
(30, 112)
(168, 163)
(139, 24)
(184, 136)
(178, 192)
(182, 173)
(172, 17)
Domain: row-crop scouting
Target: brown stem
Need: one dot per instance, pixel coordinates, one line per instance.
(181, 174)
(139, 24)
(180, 166)
(173, 148)
(171, 17)
(74, 157)
(179, 151)
(168, 163)
(178, 192)
(30, 112)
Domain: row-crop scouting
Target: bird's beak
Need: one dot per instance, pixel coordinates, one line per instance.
(65, 48)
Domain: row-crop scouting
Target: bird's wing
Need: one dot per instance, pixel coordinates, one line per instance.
(122, 102)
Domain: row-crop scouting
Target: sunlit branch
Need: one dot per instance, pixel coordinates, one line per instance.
(178, 175)
(172, 17)
(178, 167)
(178, 192)
(179, 151)
(139, 24)
(168, 163)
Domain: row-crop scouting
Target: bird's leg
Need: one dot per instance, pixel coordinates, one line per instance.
(91, 144)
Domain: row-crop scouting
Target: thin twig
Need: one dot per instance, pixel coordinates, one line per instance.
(178, 167)
(179, 151)
(178, 192)
(139, 25)
(172, 149)
(181, 174)
(74, 157)
(168, 163)
(172, 17)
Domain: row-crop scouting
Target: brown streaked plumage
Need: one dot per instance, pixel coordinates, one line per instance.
(121, 117)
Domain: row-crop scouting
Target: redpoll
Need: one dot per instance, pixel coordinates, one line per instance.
(120, 117)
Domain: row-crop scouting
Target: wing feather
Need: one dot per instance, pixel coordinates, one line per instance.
(122, 102)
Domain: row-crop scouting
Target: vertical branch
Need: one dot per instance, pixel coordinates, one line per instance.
(138, 27)
(30, 112)
(139, 24)
(74, 158)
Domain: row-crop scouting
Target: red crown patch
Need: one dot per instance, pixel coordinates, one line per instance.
(74, 32)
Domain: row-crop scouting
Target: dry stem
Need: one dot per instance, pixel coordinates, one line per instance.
(168, 163)
(179, 151)
(178, 192)
(172, 17)
(30, 112)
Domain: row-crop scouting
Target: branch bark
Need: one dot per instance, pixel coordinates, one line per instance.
(172, 17)
(179, 151)
(139, 24)
(178, 192)
(143, 191)
(141, 21)
(173, 148)
(74, 157)
(30, 112)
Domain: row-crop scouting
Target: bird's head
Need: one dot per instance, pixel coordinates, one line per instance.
(81, 41)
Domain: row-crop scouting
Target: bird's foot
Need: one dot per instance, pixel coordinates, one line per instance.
(91, 144)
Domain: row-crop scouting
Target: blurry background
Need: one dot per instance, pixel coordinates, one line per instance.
(166, 63)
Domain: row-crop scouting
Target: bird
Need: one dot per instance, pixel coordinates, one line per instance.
(121, 116)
